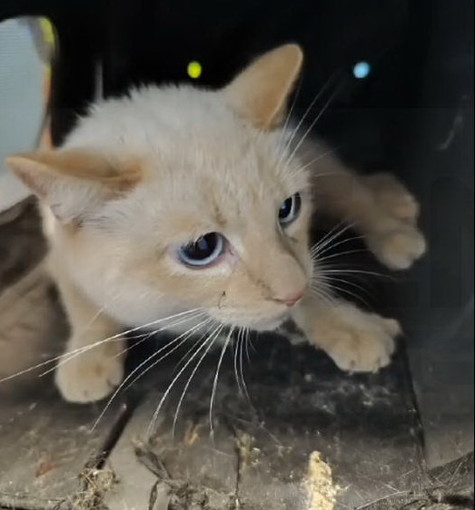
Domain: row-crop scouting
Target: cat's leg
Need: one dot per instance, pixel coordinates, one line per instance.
(356, 340)
(379, 206)
(393, 197)
(88, 370)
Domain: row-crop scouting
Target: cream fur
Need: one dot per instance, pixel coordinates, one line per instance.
(205, 165)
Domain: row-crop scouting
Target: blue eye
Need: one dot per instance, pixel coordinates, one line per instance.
(202, 252)
(290, 209)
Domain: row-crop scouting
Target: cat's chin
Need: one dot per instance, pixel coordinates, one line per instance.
(267, 324)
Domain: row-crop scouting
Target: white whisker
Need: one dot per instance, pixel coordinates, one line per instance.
(308, 110)
(126, 380)
(208, 343)
(314, 122)
(215, 382)
(69, 356)
(185, 390)
(337, 231)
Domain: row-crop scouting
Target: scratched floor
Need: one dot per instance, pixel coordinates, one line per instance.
(300, 436)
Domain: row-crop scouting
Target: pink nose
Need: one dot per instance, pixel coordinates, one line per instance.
(291, 299)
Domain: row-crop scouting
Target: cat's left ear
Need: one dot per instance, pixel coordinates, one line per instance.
(260, 92)
(72, 182)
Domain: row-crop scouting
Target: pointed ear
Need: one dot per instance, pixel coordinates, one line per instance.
(73, 182)
(261, 91)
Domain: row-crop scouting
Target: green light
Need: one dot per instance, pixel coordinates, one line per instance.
(194, 70)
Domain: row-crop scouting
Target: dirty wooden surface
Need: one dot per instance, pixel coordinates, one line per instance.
(46, 446)
(259, 456)
(309, 435)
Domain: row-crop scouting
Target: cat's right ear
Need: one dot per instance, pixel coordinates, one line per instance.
(73, 183)
(260, 92)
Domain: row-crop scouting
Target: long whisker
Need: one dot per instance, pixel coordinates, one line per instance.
(215, 382)
(182, 339)
(91, 346)
(323, 293)
(330, 279)
(69, 356)
(206, 345)
(237, 343)
(123, 384)
(309, 109)
(314, 122)
(325, 154)
(291, 109)
(319, 260)
(337, 231)
(349, 293)
(356, 271)
(335, 245)
(244, 345)
(185, 390)
(185, 357)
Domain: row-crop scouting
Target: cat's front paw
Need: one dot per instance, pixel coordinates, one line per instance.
(398, 248)
(90, 376)
(365, 343)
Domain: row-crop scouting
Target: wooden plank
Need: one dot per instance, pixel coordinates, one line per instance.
(313, 439)
(46, 447)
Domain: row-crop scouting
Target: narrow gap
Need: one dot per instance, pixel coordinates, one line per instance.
(419, 436)
(125, 413)
(236, 504)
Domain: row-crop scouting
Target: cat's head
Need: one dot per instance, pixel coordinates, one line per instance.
(176, 198)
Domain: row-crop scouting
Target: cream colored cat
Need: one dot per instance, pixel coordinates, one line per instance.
(175, 199)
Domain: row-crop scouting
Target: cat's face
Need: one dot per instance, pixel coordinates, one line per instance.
(176, 199)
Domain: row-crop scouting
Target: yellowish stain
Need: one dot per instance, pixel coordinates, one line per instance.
(192, 435)
(319, 484)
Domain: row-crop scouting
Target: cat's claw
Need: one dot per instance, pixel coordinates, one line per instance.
(89, 377)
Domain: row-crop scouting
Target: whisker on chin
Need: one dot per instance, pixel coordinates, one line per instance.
(244, 345)
(207, 344)
(69, 356)
(127, 382)
(187, 385)
(236, 345)
(215, 382)
(182, 339)
(82, 349)
(188, 353)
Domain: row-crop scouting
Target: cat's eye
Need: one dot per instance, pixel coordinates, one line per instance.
(290, 209)
(202, 252)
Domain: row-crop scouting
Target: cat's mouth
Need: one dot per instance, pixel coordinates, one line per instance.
(259, 324)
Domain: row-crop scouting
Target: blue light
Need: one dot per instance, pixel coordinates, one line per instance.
(361, 70)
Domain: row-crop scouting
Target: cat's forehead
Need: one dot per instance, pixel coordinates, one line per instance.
(185, 133)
